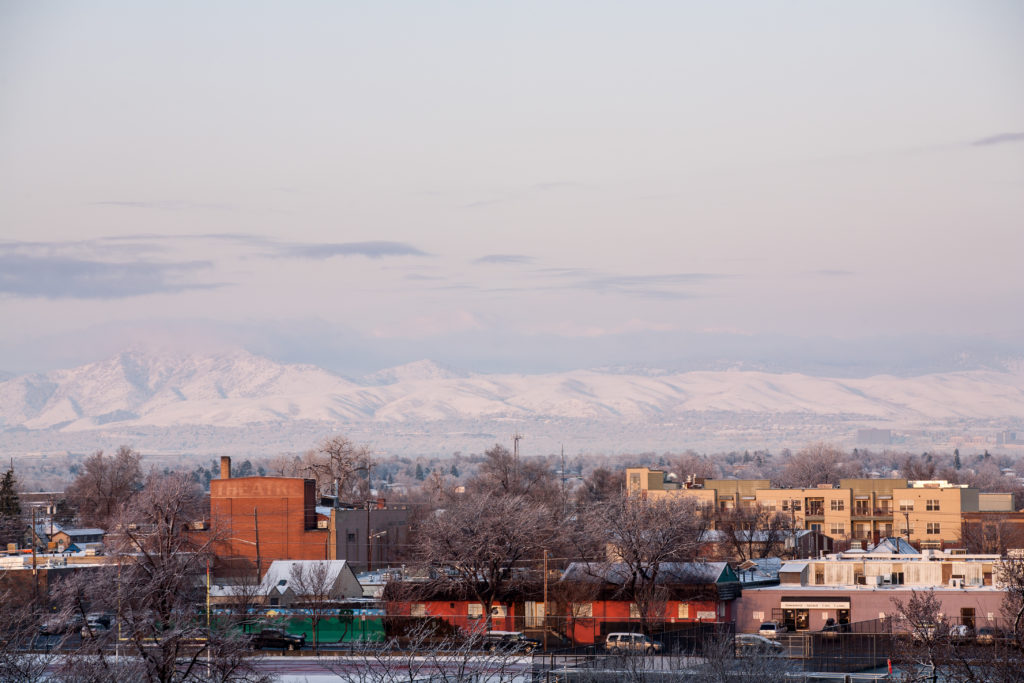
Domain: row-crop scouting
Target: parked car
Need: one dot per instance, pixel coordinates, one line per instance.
(771, 629)
(93, 630)
(509, 641)
(960, 633)
(631, 642)
(923, 632)
(60, 624)
(753, 645)
(102, 619)
(274, 637)
(986, 636)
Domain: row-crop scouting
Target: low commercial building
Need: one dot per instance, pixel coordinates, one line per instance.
(593, 599)
(862, 586)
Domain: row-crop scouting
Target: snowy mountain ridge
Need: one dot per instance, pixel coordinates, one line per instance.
(236, 388)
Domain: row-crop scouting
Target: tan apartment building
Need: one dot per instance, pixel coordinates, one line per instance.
(929, 513)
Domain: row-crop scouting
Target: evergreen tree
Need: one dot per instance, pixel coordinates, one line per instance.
(10, 506)
(419, 472)
(956, 459)
(10, 509)
(455, 471)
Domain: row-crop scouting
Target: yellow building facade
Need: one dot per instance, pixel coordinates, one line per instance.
(929, 513)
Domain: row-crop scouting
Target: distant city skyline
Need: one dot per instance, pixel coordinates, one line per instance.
(516, 187)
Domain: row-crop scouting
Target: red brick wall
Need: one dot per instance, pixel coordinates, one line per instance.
(286, 512)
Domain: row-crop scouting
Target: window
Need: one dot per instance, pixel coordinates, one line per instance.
(583, 610)
(838, 529)
(785, 505)
(932, 505)
(768, 505)
(418, 609)
(351, 538)
(933, 528)
(634, 611)
(906, 506)
(838, 505)
(819, 576)
(476, 610)
(684, 610)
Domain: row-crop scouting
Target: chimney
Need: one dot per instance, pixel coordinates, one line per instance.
(225, 467)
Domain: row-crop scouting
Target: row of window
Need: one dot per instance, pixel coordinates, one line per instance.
(839, 505)
(580, 610)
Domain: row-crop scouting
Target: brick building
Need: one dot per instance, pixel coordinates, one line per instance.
(263, 519)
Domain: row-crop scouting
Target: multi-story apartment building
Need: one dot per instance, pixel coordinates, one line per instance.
(928, 513)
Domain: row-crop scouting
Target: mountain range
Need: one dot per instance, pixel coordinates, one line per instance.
(139, 390)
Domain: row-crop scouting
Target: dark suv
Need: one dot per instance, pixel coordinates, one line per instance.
(509, 641)
(274, 637)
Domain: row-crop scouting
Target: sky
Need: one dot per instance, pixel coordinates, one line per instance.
(514, 186)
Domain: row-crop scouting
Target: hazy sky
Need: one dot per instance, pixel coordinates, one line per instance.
(521, 185)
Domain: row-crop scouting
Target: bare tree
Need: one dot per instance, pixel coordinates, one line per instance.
(723, 665)
(480, 544)
(158, 579)
(927, 634)
(501, 473)
(427, 653)
(691, 464)
(20, 617)
(335, 462)
(818, 463)
(313, 584)
(644, 537)
(752, 532)
(105, 483)
(601, 485)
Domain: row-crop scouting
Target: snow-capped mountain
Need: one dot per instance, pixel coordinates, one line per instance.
(236, 388)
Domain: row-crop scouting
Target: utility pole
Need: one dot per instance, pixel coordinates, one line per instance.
(544, 624)
(515, 453)
(369, 539)
(256, 527)
(34, 537)
(565, 502)
(208, 653)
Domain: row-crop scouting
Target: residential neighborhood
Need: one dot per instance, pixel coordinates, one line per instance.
(835, 575)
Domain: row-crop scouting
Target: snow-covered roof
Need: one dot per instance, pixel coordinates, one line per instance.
(340, 577)
(668, 572)
(83, 532)
(791, 567)
(893, 544)
(759, 570)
